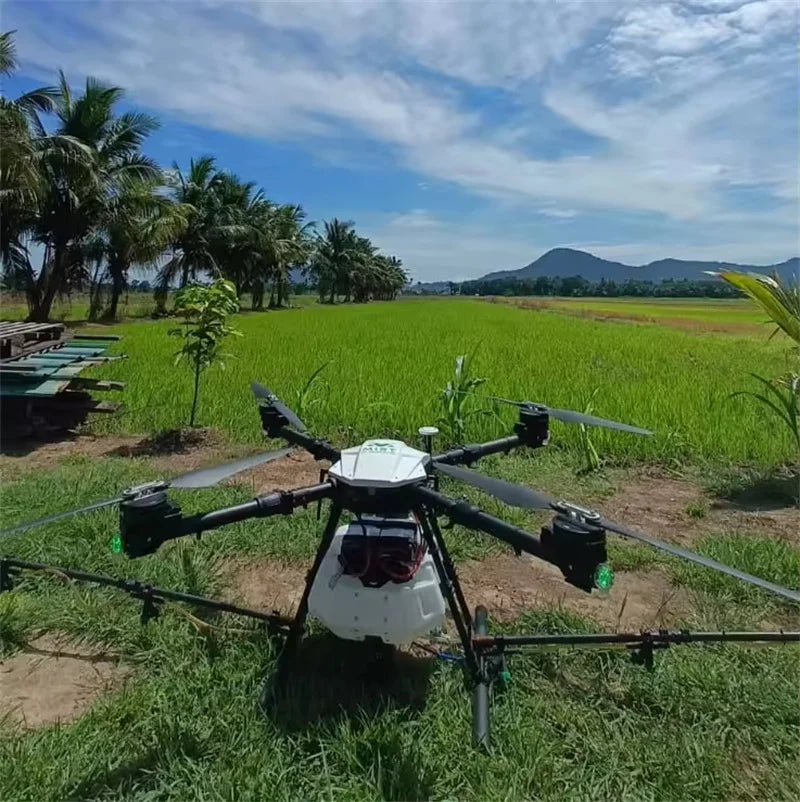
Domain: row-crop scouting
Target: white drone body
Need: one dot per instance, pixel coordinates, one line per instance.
(380, 463)
(397, 612)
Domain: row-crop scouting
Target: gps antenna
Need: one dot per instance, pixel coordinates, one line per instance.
(428, 433)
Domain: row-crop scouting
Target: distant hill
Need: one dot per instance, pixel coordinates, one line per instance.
(566, 262)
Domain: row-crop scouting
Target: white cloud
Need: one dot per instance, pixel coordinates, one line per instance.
(562, 214)
(564, 110)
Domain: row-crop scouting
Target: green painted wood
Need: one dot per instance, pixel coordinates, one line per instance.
(55, 372)
(44, 389)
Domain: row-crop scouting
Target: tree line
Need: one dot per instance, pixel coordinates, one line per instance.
(577, 286)
(98, 207)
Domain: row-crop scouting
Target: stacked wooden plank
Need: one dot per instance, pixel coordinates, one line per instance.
(40, 383)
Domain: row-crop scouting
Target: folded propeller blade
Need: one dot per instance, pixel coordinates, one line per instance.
(260, 391)
(571, 416)
(692, 556)
(49, 519)
(204, 477)
(508, 492)
(518, 496)
(208, 477)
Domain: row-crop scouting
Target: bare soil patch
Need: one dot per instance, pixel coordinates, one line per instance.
(692, 325)
(264, 585)
(55, 680)
(173, 452)
(506, 585)
(681, 512)
(298, 469)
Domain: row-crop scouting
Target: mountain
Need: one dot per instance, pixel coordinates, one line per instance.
(565, 262)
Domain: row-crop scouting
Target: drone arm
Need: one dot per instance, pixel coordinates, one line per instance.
(319, 449)
(143, 529)
(466, 514)
(282, 502)
(466, 455)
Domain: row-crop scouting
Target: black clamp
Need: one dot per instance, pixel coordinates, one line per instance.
(6, 576)
(149, 598)
(471, 454)
(286, 504)
(643, 652)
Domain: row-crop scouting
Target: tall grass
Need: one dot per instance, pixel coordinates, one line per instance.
(392, 360)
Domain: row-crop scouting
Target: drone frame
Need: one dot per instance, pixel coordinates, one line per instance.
(148, 519)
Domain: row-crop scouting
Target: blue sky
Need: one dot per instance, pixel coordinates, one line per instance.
(468, 137)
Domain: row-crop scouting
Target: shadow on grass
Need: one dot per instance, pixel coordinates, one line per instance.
(170, 441)
(140, 773)
(331, 678)
(761, 490)
(23, 441)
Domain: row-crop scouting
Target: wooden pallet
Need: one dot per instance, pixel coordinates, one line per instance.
(40, 384)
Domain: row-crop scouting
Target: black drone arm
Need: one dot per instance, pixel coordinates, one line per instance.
(466, 455)
(466, 514)
(319, 449)
(144, 527)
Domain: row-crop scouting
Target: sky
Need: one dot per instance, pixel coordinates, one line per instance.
(467, 137)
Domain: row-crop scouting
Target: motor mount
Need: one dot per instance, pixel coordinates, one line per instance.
(577, 546)
(533, 427)
(147, 518)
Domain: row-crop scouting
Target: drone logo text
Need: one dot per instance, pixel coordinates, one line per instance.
(381, 448)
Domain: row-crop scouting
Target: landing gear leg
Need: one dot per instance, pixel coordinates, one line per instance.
(481, 714)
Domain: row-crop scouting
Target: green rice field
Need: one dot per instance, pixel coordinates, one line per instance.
(389, 362)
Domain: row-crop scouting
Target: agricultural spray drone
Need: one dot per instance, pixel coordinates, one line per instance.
(386, 575)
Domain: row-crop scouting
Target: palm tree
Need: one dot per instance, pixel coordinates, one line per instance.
(333, 258)
(25, 144)
(75, 193)
(191, 250)
(139, 223)
(224, 226)
(290, 246)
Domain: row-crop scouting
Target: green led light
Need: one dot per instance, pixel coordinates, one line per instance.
(604, 577)
(116, 544)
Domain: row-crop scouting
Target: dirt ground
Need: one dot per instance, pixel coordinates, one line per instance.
(692, 325)
(173, 453)
(298, 469)
(649, 500)
(663, 506)
(55, 680)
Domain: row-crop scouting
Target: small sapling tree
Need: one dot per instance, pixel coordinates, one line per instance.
(205, 311)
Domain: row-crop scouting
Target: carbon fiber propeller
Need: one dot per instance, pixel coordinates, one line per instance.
(519, 496)
(571, 416)
(262, 392)
(202, 478)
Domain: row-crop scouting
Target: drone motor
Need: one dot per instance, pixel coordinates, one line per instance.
(533, 427)
(578, 547)
(147, 518)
